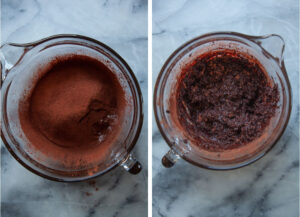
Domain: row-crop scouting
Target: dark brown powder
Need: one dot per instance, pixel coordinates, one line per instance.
(74, 112)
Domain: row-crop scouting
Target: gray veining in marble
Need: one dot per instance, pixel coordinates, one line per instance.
(122, 25)
(270, 186)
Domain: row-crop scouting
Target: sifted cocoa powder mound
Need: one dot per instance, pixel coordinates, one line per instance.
(74, 111)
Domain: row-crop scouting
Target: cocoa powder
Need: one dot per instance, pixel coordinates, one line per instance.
(73, 113)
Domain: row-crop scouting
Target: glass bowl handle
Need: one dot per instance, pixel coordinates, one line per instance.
(273, 44)
(131, 165)
(170, 158)
(10, 55)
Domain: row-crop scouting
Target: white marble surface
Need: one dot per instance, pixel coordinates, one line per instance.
(270, 186)
(122, 25)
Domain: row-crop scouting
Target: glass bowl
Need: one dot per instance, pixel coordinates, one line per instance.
(19, 64)
(268, 50)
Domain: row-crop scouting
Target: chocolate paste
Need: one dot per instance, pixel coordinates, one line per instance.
(74, 111)
(225, 100)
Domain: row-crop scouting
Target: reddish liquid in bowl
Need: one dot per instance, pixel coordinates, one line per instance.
(74, 111)
(225, 100)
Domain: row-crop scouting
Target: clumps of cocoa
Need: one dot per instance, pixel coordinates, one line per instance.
(225, 100)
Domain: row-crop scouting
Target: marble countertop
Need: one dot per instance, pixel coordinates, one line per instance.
(122, 25)
(266, 188)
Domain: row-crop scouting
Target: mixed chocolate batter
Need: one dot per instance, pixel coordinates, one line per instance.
(225, 100)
